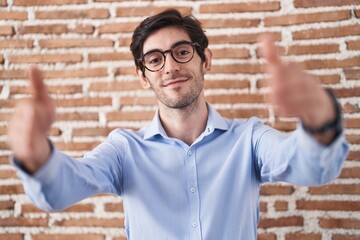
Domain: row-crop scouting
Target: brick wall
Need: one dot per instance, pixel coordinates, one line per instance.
(83, 48)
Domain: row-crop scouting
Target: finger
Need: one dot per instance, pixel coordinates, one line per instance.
(37, 83)
(268, 49)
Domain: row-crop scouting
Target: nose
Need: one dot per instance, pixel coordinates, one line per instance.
(170, 64)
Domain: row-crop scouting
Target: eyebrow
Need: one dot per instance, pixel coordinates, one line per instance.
(172, 46)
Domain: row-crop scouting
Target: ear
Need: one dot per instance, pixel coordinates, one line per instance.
(143, 80)
(208, 58)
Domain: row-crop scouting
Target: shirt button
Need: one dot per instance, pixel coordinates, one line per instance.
(194, 225)
(193, 189)
(189, 153)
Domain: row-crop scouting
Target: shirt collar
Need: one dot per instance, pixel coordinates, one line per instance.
(215, 121)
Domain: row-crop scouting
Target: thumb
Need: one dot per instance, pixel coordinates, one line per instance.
(37, 83)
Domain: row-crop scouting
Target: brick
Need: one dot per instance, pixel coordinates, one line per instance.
(77, 116)
(73, 14)
(60, 89)
(266, 236)
(357, 13)
(312, 49)
(4, 159)
(343, 223)
(44, 29)
(352, 73)
(118, 56)
(82, 29)
(236, 98)
(303, 236)
(98, 131)
(115, 86)
(130, 116)
(114, 207)
(11, 189)
(323, 3)
(336, 189)
(78, 208)
(330, 63)
(16, 43)
(230, 53)
(7, 174)
(54, 132)
(353, 138)
(344, 237)
(125, 41)
(118, 27)
(353, 45)
(4, 146)
(76, 146)
(227, 84)
(2, 60)
(6, 30)
(125, 71)
(47, 2)
(244, 113)
(331, 32)
(119, 238)
(13, 15)
(347, 92)
(281, 206)
(63, 236)
(240, 38)
(352, 122)
(229, 22)
(91, 222)
(238, 68)
(23, 222)
(3, 3)
(84, 102)
(76, 43)
(353, 172)
(12, 236)
(328, 205)
(6, 205)
(240, 7)
(143, 101)
(147, 11)
(46, 58)
(75, 73)
(281, 222)
(294, 19)
(263, 207)
(351, 108)
(266, 190)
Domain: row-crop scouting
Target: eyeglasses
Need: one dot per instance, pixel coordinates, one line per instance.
(181, 52)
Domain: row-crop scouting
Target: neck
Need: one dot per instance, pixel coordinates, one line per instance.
(185, 124)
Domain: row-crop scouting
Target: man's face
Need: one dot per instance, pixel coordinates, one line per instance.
(176, 85)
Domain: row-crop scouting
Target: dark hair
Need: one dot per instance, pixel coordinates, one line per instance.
(170, 17)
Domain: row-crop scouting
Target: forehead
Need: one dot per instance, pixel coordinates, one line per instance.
(164, 38)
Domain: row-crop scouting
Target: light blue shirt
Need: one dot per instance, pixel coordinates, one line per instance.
(209, 190)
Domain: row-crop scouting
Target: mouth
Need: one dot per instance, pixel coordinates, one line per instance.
(174, 82)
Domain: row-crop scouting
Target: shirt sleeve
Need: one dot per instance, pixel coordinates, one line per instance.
(297, 158)
(63, 181)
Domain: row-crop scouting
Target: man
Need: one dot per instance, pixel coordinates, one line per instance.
(191, 174)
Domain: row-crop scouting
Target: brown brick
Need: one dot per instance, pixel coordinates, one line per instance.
(323, 3)
(335, 189)
(229, 22)
(73, 14)
(352, 73)
(82, 29)
(98, 131)
(238, 68)
(345, 237)
(11, 189)
(343, 223)
(328, 205)
(353, 138)
(147, 11)
(6, 30)
(263, 207)
(2, 60)
(357, 13)
(236, 98)
(118, 27)
(281, 206)
(76, 73)
(13, 15)
(84, 102)
(130, 116)
(266, 190)
(7, 174)
(347, 92)
(143, 101)
(46, 58)
(114, 207)
(281, 222)
(227, 84)
(266, 236)
(76, 146)
(6, 205)
(23, 222)
(3, 3)
(312, 49)
(63, 236)
(12, 236)
(353, 172)
(44, 29)
(47, 2)
(352, 122)
(244, 113)
(77, 116)
(76, 43)
(16, 43)
(4, 159)
(240, 7)
(125, 71)
(91, 222)
(230, 53)
(241, 38)
(330, 63)
(115, 86)
(330, 32)
(303, 236)
(78, 208)
(351, 108)
(353, 45)
(125, 41)
(96, 57)
(62, 89)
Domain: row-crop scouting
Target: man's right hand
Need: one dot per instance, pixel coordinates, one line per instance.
(29, 124)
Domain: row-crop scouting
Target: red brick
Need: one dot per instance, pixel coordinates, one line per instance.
(7, 174)
(6, 205)
(323, 3)
(352, 122)
(353, 138)
(3, 3)
(46, 58)
(16, 43)
(125, 71)
(345, 237)
(336, 189)
(286, 20)
(61, 236)
(114, 207)
(281, 206)
(12, 236)
(351, 108)
(91, 222)
(227, 84)
(98, 131)
(147, 11)
(13, 15)
(118, 56)
(240, 38)
(76, 146)
(263, 206)
(353, 45)
(130, 116)
(357, 13)
(229, 22)
(78, 208)
(125, 41)
(11, 189)
(118, 27)
(62, 89)
(281, 222)
(82, 29)
(47, 2)
(330, 32)
(6, 30)
(266, 236)
(244, 113)
(230, 53)
(76, 43)
(303, 236)
(4, 159)
(73, 14)
(84, 102)
(343, 223)
(353, 172)
(235, 98)
(44, 29)
(115, 86)
(330, 63)
(23, 222)
(144, 101)
(328, 205)
(312, 49)
(347, 92)
(266, 190)
(238, 68)
(352, 74)
(77, 116)
(76, 73)
(239, 7)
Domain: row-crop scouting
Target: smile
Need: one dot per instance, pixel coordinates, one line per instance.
(175, 81)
